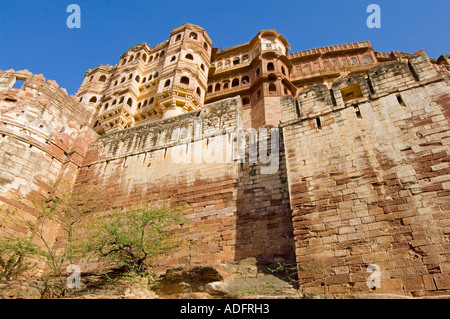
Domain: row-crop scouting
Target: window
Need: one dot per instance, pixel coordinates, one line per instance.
(151, 101)
(236, 61)
(400, 100)
(202, 66)
(121, 100)
(137, 78)
(258, 72)
(193, 35)
(344, 62)
(225, 85)
(205, 46)
(335, 63)
(245, 58)
(219, 65)
(318, 123)
(145, 103)
(268, 45)
(150, 59)
(217, 88)
(102, 78)
(367, 59)
(235, 83)
(270, 66)
(245, 101)
(144, 80)
(92, 77)
(272, 87)
(227, 63)
(18, 84)
(258, 94)
(283, 71)
(354, 60)
(130, 76)
(210, 89)
(115, 83)
(139, 105)
(178, 38)
(138, 55)
(198, 91)
(189, 56)
(184, 80)
(167, 84)
(245, 80)
(131, 59)
(144, 57)
(162, 53)
(106, 106)
(156, 75)
(130, 101)
(93, 99)
(114, 102)
(299, 69)
(173, 58)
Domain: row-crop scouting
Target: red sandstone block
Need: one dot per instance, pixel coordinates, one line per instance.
(442, 281)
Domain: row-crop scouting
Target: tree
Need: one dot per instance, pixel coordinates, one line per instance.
(15, 255)
(133, 239)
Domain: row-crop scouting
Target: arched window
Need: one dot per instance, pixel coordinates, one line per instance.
(225, 85)
(92, 77)
(162, 53)
(123, 80)
(130, 76)
(236, 61)
(144, 80)
(167, 83)
(124, 61)
(272, 87)
(130, 101)
(102, 78)
(283, 71)
(258, 94)
(178, 38)
(202, 66)
(156, 56)
(245, 58)
(114, 102)
(150, 77)
(258, 72)
(156, 75)
(245, 101)
(173, 58)
(209, 88)
(189, 56)
(205, 46)
(151, 101)
(235, 82)
(131, 59)
(219, 65)
(184, 80)
(270, 66)
(144, 57)
(193, 35)
(137, 78)
(93, 99)
(106, 106)
(199, 92)
(150, 59)
(227, 63)
(121, 100)
(138, 55)
(217, 87)
(139, 105)
(115, 83)
(245, 80)
(145, 103)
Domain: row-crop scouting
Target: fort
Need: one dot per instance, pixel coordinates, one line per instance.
(363, 158)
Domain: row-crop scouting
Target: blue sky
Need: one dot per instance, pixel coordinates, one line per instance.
(34, 34)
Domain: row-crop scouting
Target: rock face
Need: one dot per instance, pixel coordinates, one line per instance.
(21, 290)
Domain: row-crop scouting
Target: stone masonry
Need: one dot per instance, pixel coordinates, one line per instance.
(335, 158)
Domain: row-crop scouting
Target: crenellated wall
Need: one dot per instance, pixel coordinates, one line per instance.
(369, 180)
(44, 137)
(235, 208)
